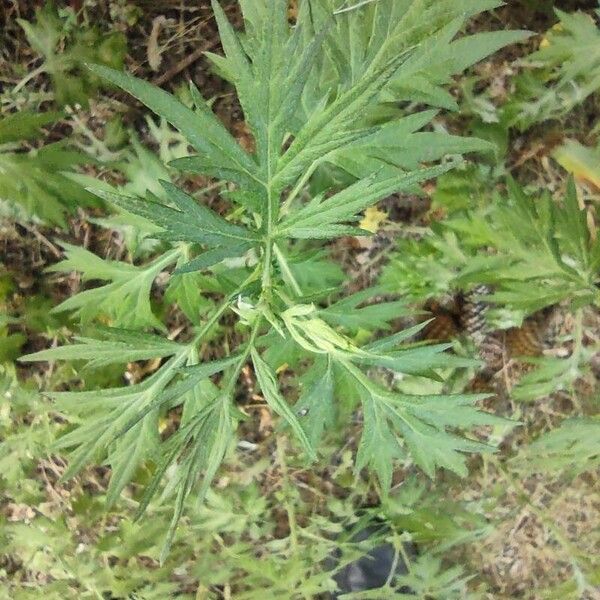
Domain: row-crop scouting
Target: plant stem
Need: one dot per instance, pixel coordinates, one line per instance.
(289, 507)
(300, 186)
(287, 272)
(167, 259)
(223, 307)
(243, 359)
(209, 188)
(353, 7)
(577, 336)
(390, 577)
(266, 270)
(31, 75)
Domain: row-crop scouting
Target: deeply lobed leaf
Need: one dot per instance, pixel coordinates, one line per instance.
(317, 98)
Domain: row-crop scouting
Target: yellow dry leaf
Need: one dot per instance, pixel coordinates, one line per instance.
(282, 368)
(373, 219)
(582, 162)
(293, 10)
(153, 50)
(555, 29)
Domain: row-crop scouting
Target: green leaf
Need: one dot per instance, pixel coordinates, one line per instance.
(346, 312)
(41, 182)
(66, 48)
(208, 441)
(429, 578)
(573, 447)
(185, 290)
(205, 219)
(122, 346)
(396, 145)
(125, 300)
(379, 447)
(420, 360)
(116, 418)
(138, 443)
(211, 258)
(269, 75)
(422, 423)
(24, 125)
(326, 232)
(315, 406)
(202, 129)
(391, 341)
(471, 49)
(432, 447)
(561, 75)
(124, 410)
(270, 389)
(534, 251)
(335, 126)
(572, 228)
(190, 222)
(349, 202)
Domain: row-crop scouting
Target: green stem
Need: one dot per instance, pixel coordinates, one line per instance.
(286, 271)
(209, 188)
(300, 186)
(266, 270)
(244, 358)
(289, 507)
(167, 259)
(41, 69)
(390, 577)
(353, 7)
(577, 336)
(405, 558)
(224, 306)
(366, 383)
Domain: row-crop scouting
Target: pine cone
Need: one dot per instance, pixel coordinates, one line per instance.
(473, 314)
(443, 328)
(525, 340)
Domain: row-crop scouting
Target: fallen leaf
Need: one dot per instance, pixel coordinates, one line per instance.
(154, 52)
(19, 512)
(581, 161)
(373, 219)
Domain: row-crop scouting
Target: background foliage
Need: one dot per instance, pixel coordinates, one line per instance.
(502, 252)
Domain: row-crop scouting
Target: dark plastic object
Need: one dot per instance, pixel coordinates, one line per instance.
(373, 569)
